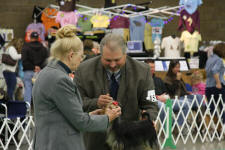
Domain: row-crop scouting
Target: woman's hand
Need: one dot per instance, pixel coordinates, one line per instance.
(97, 112)
(179, 75)
(37, 69)
(113, 113)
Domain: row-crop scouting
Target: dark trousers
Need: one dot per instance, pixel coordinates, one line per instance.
(10, 79)
(214, 91)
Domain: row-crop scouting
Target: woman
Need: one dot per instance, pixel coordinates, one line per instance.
(215, 84)
(59, 117)
(176, 87)
(9, 72)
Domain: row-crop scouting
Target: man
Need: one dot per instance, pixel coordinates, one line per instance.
(114, 76)
(34, 55)
(162, 96)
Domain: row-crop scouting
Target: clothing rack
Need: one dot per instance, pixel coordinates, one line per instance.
(164, 12)
(43, 11)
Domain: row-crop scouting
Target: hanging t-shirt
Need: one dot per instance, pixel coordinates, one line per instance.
(190, 5)
(48, 18)
(137, 28)
(65, 18)
(148, 37)
(84, 23)
(35, 27)
(7, 34)
(171, 46)
(100, 21)
(190, 22)
(157, 26)
(67, 5)
(191, 41)
(119, 22)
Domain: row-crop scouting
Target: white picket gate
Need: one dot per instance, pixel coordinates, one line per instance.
(199, 124)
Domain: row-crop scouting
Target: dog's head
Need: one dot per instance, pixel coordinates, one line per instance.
(126, 134)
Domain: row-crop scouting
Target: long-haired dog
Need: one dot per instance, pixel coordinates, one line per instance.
(139, 134)
(212, 127)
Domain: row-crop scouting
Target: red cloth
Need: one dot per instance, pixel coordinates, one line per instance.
(189, 22)
(119, 22)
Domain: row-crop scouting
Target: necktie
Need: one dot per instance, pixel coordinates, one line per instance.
(114, 87)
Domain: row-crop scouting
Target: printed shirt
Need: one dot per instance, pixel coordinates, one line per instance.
(157, 26)
(84, 23)
(100, 21)
(148, 37)
(137, 28)
(190, 22)
(190, 5)
(214, 65)
(48, 18)
(35, 27)
(199, 88)
(7, 34)
(171, 46)
(119, 22)
(191, 41)
(65, 18)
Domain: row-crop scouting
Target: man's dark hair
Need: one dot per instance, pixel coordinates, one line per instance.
(219, 50)
(34, 35)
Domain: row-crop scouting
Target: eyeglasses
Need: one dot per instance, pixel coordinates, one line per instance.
(81, 56)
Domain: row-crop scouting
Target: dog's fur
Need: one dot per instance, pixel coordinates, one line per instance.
(212, 127)
(132, 134)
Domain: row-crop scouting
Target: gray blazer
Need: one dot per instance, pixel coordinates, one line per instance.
(58, 113)
(135, 81)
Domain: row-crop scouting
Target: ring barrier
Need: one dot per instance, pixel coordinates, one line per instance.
(199, 122)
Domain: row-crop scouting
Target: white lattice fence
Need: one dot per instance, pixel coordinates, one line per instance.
(17, 132)
(199, 124)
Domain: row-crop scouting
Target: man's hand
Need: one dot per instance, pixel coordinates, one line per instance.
(218, 85)
(162, 97)
(103, 100)
(37, 69)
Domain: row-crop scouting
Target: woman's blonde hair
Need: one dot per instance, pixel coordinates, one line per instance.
(196, 76)
(66, 40)
(17, 44)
